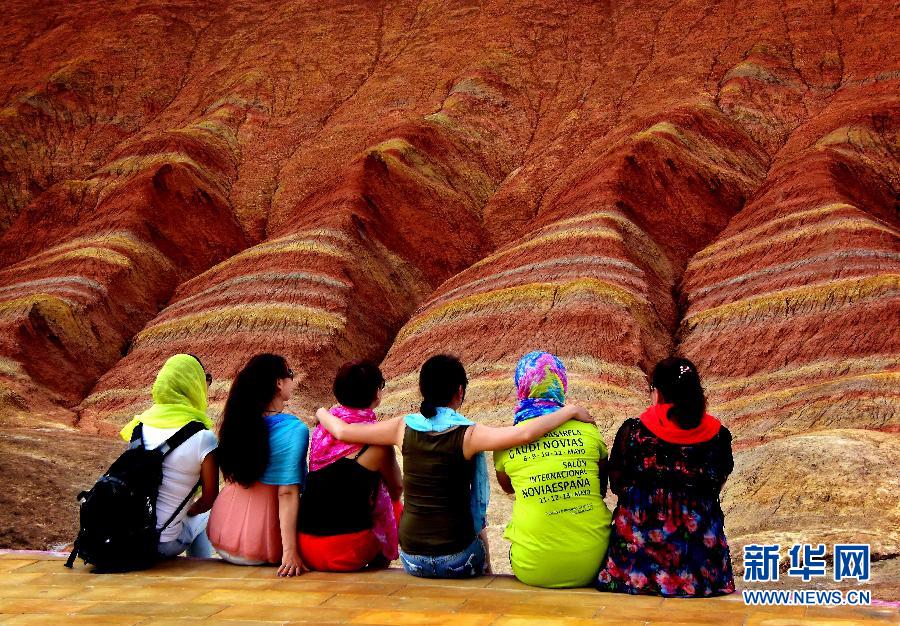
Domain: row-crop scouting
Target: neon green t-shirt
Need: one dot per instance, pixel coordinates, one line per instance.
(560, 525)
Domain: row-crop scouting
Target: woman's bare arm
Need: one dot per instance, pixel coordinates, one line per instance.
(209, 484)
(505, 482)
(386, 433)
(390, 471)
(288, 509)
(480, 438)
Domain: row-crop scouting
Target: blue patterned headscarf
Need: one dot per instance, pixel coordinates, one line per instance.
(541, 385)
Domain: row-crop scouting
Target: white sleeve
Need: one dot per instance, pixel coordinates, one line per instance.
(207, 444)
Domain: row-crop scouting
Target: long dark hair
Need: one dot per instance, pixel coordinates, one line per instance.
(678, 382)
(439, 380)
(243, 452)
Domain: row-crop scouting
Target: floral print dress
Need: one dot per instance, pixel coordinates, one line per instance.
(668, 533)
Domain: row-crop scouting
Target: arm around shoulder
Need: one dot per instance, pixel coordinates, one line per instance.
(481, 438)
(386, 433)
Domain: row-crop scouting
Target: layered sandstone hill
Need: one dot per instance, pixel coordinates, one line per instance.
(613, 182)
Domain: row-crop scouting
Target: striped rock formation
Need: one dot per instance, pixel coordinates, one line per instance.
(334, 181)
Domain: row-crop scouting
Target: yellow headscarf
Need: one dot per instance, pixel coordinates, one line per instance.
(179, 397)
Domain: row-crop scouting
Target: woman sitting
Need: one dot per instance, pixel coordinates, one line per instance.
(347, 522)
(445, 474)
(262, 453)
(560, 525)
(179, 398)
(668, 468)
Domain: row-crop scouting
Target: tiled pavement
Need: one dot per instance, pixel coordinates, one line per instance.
(36, 589)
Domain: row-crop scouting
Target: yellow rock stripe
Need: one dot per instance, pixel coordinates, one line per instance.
(751, 233)
(559, 237)
(645, 247)
(704, 151)
(493, 301)
(308, 241)
(806, 371)
(887, 381)
(243, 318)
(120, 249)
(826, 228)
(784, 302)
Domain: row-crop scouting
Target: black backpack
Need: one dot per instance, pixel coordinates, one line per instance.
(118, 530)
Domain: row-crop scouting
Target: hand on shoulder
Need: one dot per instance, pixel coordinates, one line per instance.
(581, 414)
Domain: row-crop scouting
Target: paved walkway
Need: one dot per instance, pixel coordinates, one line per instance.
(36, 589)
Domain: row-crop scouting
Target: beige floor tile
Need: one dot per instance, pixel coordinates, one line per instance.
(509, 582)
(398, 576)
(545, 609)
(684, 615)
(43, 606)
(521, 620)
(8, 565)
(885, 614)
(725, 619)
(781, 611)
(198, 568)
(205, 584)
(7, 580)
(229, 597)
(398, 618)
(33, 555)
(209, 621)
(154, 609)
(403, 578)
(772, 620)
(339, 585)
(628, 601)
(184, 591)
(433, 591)
(47, 619)
(40, 592)
(162, 594)
(393, 603)
(49, 566)
(315, 614)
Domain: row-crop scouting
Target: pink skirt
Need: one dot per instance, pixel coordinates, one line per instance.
(244, 522)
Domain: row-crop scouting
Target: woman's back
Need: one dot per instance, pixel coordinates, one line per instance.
(437, 483)
(642, 461)
(669, 536)
(339, 498)
(245, 523)
(560, 524)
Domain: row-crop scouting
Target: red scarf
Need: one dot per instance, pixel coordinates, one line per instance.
(657, 421)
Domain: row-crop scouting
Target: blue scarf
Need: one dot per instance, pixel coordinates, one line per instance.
(446, 419)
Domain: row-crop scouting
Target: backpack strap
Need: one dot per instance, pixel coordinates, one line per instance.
(180, 506)
(137, 437)
(71, 560)
(184, 433)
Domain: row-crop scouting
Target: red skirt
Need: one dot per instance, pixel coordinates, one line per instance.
(339, 553)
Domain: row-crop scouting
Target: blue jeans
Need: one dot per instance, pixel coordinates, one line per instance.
(466, 564)
(191, 538)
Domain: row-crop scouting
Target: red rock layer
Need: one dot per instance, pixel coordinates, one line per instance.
(593, 281)
(154, 216)
(349, 270)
